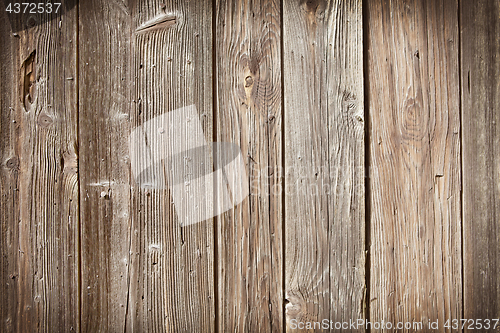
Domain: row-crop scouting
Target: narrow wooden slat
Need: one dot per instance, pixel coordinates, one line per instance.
(415, 175)
(480, 49)
(324, 161)
(104, 107)
(9, 178)
(171, 281)
(38, 173)
(249, 111)
(346, 156)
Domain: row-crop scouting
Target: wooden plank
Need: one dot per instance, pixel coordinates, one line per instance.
(38, 173)
(346, 156)
(249, 112)
(413, 95)
(104, 108)
(9, 178)
(171, 281)
(480, 49)
(324, 161)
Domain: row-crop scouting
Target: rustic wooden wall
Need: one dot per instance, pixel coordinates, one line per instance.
(370, 134)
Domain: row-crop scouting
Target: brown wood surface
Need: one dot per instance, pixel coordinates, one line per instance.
(324, 161)
(105, 204)
(347, 217)
(249, 111)
(480, 49)
(172, 279)
(149, 274)
(414, 136)
(38, 174)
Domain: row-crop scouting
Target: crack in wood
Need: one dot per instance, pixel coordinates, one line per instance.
(28, 80)
(159, 22)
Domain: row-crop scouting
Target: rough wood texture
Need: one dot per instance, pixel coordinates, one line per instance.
(324, 161)
(249, 253)
(480, 49)
(38, 174)
(104, 108)
(86, 247)
(413, 84)
(172, 277)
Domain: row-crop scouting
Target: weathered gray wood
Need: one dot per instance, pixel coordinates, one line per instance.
(249, 112)
(480, 64)
(415, 174)
(324, 161)
(172, 272)
(38, 174)
(104, 108)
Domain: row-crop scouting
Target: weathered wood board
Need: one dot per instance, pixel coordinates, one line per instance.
(172, 285)
(150, 273)
(414, 137)
(104, 108)
(38, 173)
(480, 64)
(324, 161)
(249, 113)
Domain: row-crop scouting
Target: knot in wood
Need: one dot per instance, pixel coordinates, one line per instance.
(12, 163)
(248, 81)
(44, 120)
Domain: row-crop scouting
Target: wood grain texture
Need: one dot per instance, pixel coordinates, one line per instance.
(324, 161)
(38, 174)
(480, 49)
(85, 247)
(104, 108)
(415, 174)
(9, 178)
(172, 272)
(249, 112)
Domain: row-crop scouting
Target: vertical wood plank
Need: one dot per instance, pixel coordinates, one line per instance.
(104, 108)
(38, 173)
(415, 174)
(324, 161)
(346, 156)
(480, 49)
(171, 282)
(249, 111)
(9, 176)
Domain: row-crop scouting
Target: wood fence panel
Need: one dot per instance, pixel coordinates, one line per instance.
(415, 174)
(480, 49)
(88, 245)
(172, 286)
(249, 112)
(38, 173)
(104, 108)
(324, 161)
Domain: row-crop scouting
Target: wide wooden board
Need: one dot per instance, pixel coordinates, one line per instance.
(413, 95)
(38, 172)
(249, 113)
(324, 161)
